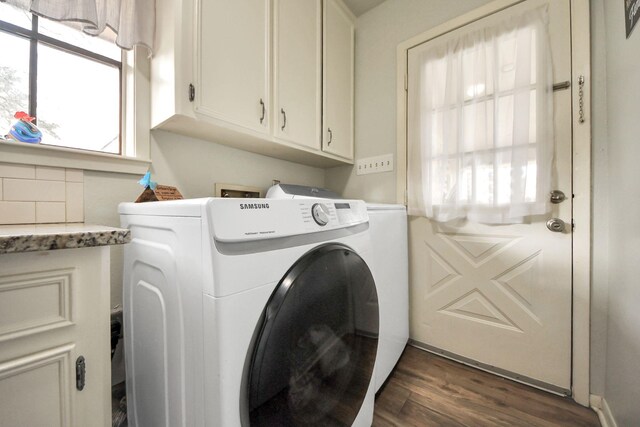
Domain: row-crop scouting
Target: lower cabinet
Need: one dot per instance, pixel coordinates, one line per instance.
(54, 338)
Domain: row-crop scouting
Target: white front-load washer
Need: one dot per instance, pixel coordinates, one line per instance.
(390, 265)
(249, 312)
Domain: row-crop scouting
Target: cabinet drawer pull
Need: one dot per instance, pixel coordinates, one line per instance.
(263, 110)
(284, 117)
(581, 99)
(80, 373)
(330, 136)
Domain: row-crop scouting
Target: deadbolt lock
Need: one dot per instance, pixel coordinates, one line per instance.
(556, 225)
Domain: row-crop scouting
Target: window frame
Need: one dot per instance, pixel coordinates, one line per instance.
(133, 69)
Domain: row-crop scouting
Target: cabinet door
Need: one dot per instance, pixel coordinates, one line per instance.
(298, 68)
(232, 63)
(54, 309)
(337, 129)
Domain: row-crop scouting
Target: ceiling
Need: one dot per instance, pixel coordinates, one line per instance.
(358, 7)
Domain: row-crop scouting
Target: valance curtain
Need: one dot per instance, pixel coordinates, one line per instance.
(480, 123)
(132, 20)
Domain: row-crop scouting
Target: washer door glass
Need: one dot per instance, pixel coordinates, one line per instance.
(314, 349)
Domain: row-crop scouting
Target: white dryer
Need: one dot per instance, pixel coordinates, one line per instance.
(249, 312)
(388, 227)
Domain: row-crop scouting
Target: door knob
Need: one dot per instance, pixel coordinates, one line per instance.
(557, 196)
(556, 225)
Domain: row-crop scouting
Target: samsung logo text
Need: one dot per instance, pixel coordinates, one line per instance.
(254, 205)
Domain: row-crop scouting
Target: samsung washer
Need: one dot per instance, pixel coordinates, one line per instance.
(390, 265)
(249, 312)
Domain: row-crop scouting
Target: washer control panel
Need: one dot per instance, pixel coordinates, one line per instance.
(245, 219)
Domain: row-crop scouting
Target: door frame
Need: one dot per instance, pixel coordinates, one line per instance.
(581, 167)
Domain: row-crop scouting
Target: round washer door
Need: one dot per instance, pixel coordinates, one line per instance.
(314, 348)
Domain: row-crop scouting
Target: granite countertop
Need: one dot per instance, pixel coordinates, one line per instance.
(45, 237)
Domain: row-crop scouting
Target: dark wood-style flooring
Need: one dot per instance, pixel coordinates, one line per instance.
(428, 390)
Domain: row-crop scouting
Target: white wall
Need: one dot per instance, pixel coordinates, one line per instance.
(192, 165)
(378, 33)
(622, 374)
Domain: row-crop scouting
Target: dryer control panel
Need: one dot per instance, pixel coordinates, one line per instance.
(235, 220)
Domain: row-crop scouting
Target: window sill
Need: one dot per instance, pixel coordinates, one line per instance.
(46, 155)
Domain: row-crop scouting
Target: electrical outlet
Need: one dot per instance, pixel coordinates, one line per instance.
(377, 164)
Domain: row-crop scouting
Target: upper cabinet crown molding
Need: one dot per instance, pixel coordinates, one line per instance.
(250, 74)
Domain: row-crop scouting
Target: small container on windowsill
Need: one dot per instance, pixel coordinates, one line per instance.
(23, 130)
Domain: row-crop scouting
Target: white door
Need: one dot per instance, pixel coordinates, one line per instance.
(233, 62)
(337, 126)
(298, 71)
(501, 295)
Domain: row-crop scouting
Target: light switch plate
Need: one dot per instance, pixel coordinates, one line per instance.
(377, 164)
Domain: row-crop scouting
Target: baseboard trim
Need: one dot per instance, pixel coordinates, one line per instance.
(600, 405)
(550, 388)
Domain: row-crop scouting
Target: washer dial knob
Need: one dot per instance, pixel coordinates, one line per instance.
(320, 214)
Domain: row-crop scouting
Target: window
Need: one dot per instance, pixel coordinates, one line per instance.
(69, 81)
(480, 123)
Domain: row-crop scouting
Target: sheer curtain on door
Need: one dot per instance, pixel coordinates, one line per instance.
(480, 123)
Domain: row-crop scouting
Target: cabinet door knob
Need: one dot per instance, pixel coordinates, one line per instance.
(284, 119)
(330, 136)
(263, 110)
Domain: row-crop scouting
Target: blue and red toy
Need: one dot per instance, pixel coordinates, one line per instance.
(23, 130)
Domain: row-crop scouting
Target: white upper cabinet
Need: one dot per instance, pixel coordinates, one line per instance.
(232, 62)
(249, 73)
(338, 80)
(298, 71)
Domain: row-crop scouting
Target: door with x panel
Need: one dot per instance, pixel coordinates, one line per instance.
(500, 295)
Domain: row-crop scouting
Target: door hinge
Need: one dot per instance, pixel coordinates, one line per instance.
(80, 372)
(573, 225)
(406, 83)
(192, 92)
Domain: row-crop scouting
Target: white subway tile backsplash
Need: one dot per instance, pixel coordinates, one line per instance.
(51, 191)
(19, 189)
(50, 212)
(17, 212)
(75, 202)
(49, 173)
(75, 175)
(40, 194)
(29, 190)
(10, 170)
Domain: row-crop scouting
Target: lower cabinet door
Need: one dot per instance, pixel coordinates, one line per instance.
(54, 343)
